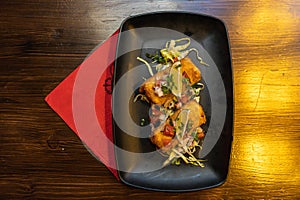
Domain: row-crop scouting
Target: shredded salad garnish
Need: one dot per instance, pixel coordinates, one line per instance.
(171, 53)
(183, 143)
(186, 139)
(147, 64)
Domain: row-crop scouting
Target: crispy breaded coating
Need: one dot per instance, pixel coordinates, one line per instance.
(191, 70)
(196, 115)
(188, 69)
(148, 88)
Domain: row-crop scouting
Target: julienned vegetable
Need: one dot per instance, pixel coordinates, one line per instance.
(174, 94)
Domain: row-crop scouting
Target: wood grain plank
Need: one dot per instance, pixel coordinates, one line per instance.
(43, 41)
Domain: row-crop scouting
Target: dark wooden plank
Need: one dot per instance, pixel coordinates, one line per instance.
(43, 41)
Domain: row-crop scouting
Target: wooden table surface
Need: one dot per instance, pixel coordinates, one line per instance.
(41, 42)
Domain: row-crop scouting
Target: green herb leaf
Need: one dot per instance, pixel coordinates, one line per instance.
(178, 66)
(195, 135)
(156, 57)
(165, 89)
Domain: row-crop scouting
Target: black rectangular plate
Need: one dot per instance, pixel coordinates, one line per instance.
(147, 33)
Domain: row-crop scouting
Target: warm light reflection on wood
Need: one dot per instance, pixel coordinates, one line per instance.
(268, 22)
(267, 94)
(260, 92)
(257, 152)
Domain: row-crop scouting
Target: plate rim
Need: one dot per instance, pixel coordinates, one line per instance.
(232, 116)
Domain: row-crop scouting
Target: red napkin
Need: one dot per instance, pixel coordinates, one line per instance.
(74, 102)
